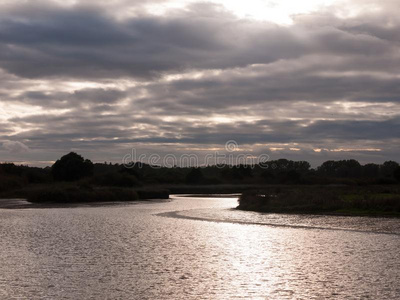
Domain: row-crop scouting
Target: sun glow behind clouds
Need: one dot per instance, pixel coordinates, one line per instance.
(276, 11)
(263, 10)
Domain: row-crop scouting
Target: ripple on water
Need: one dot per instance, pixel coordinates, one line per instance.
(129, 252)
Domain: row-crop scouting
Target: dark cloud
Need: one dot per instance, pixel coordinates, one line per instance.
(355, 130)
(5, 128)
(85, 77)
(86, 42)
(77, 98)
(88, 127)
(302, 84)
(15, 147)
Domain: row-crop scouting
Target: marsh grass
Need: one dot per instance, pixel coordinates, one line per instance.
(145, 194)
(74, 194)
(323, 199)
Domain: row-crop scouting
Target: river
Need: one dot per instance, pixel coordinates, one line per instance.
(194, 248)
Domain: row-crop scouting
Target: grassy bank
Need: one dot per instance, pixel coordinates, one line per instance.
(372, 200)
(84, 192)
(211, 189)
(77, 195)
(70, 193)
(146, 194)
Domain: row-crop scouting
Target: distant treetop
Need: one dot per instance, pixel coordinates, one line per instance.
(71, 167)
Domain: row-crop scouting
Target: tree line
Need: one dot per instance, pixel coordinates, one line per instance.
(74, 168)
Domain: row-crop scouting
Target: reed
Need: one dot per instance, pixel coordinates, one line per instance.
(376, 200)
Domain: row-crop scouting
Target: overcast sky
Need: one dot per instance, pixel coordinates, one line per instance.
(306, 80)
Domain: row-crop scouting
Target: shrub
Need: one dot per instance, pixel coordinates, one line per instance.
(322, 199)
(8, 183)
(71, 167)
(81, 195)
(116, 179)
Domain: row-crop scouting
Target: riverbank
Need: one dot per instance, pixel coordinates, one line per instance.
(24, 204)
(295, 199)
(210, 189)
(338, 200)
(71, 193)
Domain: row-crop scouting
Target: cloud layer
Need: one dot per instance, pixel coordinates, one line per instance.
(84, 77)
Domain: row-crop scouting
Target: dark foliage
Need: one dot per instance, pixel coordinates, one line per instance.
(71, 167)
(16, 177)
(396, 174)
(195, 176)
(73, 194)
(342, 168)
(115, 179)
(388, 168)
(146, 194)
(323, 199)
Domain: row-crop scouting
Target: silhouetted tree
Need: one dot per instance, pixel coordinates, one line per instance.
(11, 169)
(71, 167)
(388, 168)
(195, 176)
(267, 176)
(116, 179)
(241, 172)
(349, 168)
(341, 168)
(301, 166)
(293, 176)
(370, 170)
(328, 168)
(396, 174)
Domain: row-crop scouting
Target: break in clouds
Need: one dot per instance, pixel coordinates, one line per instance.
(102, 79)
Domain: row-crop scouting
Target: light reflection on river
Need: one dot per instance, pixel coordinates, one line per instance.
(194, 248)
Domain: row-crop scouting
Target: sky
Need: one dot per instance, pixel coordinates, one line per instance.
(305, 80)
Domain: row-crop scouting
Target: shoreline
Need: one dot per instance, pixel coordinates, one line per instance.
(327, 213)
(370, 201)
(365, 201)
(20, 203)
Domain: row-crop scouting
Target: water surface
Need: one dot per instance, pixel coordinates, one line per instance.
(194, 248)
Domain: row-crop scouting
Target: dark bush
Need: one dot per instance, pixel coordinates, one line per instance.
(153, 194)
(81, 195)
(195, 176)
(71, 167)
(396, 174)
(322, 199)
(8, 183)
(116, 179)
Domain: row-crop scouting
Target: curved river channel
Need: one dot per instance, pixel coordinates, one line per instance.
(194, 248)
